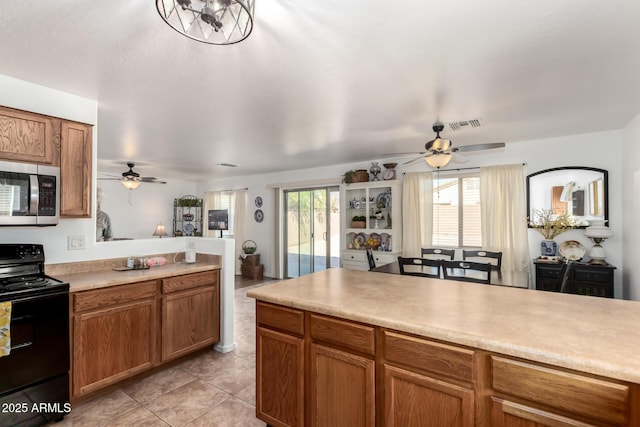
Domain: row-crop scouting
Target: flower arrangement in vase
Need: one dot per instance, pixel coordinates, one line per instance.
(551, 225)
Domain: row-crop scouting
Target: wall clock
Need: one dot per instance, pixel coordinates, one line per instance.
(258, 215)
(258, 202)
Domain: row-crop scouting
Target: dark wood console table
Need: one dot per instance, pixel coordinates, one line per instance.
(584, 279)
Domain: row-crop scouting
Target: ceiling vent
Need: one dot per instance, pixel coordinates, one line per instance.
(465, 124)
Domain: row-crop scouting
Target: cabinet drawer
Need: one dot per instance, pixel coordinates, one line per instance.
(357, 256)
(548, 272)
(602, 400)
(383, 259)
(427, 355)
(189, 281)
(89, 300)
(282, 318)
(346, 334)
(598, 276)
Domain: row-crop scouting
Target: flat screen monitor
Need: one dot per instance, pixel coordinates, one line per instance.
(218, 219)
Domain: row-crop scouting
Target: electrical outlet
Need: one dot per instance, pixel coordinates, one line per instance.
(76, 243)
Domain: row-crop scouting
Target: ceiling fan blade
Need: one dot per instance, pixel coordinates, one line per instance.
(152, 180)
(412, 153)
(108, 179)
(478, 147)
(459, 158)
(413, 160)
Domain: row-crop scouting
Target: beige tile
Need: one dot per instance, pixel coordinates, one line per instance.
(248, 394)
(158, 384)
(231, 413)
(187, 402)
(100, 410)
(233, 379)
(139, 417)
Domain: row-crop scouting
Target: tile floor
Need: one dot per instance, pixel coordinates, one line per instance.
(210, 389)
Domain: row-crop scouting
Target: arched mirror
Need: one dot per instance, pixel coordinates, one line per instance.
(579, 191)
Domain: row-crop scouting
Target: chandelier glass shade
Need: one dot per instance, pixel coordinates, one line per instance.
(130, 183)
(438, 160)
(209, 21)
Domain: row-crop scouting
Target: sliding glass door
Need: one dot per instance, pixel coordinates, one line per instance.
(312, 230)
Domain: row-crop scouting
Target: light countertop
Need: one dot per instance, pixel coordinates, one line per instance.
(104, 278)
(594, 335)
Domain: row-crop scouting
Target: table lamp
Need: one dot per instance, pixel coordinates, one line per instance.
(160, 231)
(597, 233)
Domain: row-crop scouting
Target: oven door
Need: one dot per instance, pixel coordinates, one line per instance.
(39, 341)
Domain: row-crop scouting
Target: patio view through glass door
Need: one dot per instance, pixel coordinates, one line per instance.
(312, 230)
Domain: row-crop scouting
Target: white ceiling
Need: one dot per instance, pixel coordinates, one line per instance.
(332, 81)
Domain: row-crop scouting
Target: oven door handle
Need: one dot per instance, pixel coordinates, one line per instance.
(35, 195)
(22, 345)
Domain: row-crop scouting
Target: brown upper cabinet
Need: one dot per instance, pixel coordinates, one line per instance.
(40, 139)
(26, 137)
(75, 170)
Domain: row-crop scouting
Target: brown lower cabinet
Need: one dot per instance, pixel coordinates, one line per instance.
(123, 330)
(319, 370)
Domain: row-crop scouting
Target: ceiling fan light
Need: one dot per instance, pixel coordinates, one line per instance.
(438, 160)
(440, 144)
(129, 184)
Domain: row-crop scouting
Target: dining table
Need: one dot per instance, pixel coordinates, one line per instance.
(498, 277)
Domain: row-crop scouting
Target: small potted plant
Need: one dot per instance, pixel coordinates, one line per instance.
(551, 225)
(360, 175)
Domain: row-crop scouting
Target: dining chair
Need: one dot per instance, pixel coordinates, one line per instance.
(437, 253)
(371, 259)
(426, 267)
(495, 258)
(467, 271)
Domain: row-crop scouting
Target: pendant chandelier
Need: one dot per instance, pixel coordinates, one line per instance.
(438, 160)
(209, 21)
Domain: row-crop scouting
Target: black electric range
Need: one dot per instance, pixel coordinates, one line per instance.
(34, 376)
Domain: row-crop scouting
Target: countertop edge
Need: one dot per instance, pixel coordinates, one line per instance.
(99, 279)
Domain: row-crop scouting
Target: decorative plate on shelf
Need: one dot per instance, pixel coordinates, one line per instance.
(258, 202)
(188, 229)
(258, 215)
(383, 200)
(385, 241)
(359, 238)
(572, 249)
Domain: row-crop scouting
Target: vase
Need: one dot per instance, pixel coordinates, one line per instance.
(375, 171)
(548, 248)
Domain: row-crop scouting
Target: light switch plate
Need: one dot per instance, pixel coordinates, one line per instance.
(76, 243)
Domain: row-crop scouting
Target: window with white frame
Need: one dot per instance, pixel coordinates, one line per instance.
(456, 211)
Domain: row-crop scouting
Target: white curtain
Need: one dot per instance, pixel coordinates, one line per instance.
(503, 207)
(239, 223)
(417, 212)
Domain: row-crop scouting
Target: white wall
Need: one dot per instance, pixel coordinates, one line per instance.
(631, 209)
(135, 213)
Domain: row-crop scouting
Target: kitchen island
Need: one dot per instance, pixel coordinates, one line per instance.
(392, 350)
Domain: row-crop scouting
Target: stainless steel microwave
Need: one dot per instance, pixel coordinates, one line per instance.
(29, 194)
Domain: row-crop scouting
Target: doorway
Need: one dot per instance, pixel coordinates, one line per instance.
(311, 230)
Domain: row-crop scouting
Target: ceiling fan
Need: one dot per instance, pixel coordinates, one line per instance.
(131, 179)
(439, 151)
